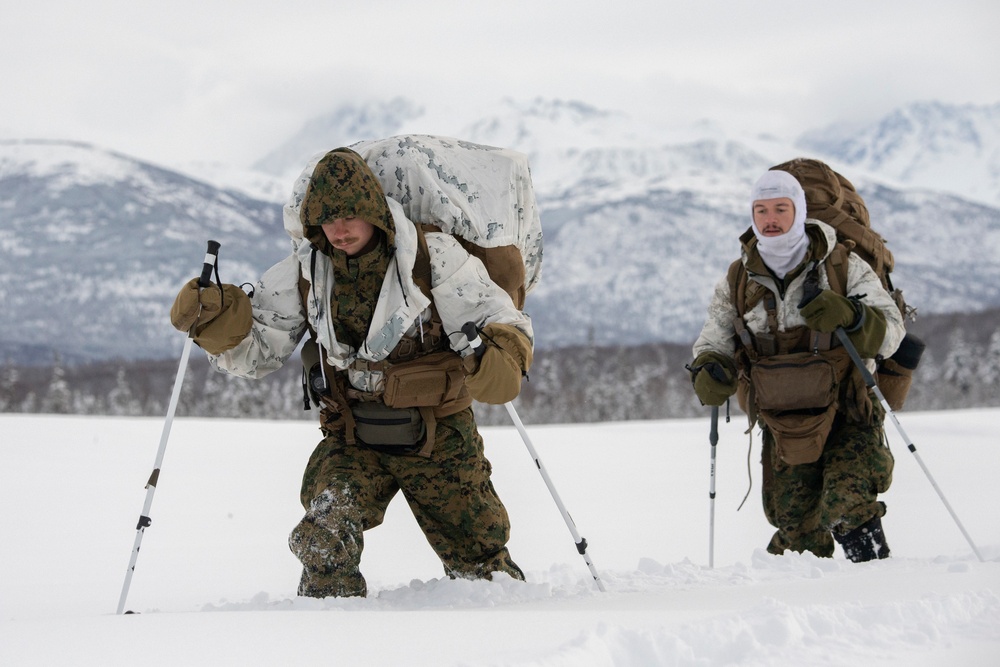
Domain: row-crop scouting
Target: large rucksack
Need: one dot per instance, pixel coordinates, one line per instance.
(482, 195)
(833, 199)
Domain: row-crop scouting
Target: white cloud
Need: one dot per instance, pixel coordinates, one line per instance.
(226, 80)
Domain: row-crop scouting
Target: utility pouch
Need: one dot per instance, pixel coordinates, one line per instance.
(378, 424)
(427, 381)
(894, 381)
(767, 344)
(799, 435)
(743, 395)
(797, 381)
(895, 374)
(796, 397)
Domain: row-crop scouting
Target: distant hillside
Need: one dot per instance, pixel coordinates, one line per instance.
(577, 384)
(638, 225)
(94, 245)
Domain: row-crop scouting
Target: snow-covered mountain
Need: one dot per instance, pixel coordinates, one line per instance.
(929, 144)
(640, 222)
(94, 245)
(345, 125)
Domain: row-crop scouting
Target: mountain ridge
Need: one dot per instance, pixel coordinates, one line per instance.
(636, 234)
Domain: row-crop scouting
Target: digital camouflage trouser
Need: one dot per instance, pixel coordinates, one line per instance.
(837, 493)
(346, 490)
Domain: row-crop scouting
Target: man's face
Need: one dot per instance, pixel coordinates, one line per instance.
(349, 235)
(773, 217)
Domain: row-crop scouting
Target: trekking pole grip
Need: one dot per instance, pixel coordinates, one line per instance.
(713, 433)
(471, 332)
(211, 257)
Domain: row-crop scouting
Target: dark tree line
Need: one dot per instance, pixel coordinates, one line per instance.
(961, 368)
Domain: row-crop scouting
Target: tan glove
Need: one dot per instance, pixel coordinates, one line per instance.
(497, 379)
(221, 317)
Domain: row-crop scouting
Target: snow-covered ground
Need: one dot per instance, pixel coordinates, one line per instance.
(215, 581)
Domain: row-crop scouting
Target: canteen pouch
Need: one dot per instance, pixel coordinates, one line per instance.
(796, 397)
(429, 381)
(894, 382)
(378, 424)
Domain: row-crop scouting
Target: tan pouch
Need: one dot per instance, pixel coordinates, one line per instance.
(894, 382)
(799, 435)
(429, 381)
(797, 381)
(796, 397)
(895, 374)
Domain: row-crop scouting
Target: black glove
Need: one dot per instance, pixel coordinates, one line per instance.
(714, 377)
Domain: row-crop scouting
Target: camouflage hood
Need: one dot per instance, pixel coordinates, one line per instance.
(336, 185)
(284, 309)
(340, 184)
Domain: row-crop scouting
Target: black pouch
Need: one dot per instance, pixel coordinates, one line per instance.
(376, 424)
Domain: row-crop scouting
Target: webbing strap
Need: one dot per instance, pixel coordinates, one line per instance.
(836, 269)
(422, 264)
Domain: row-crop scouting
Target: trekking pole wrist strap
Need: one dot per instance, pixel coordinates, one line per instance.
(861, 314)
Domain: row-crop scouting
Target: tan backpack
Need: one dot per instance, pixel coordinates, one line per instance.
(833, 199)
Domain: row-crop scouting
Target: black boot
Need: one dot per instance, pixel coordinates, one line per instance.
(865, 543)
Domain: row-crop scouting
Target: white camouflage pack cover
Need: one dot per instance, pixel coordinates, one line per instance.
(482, 193)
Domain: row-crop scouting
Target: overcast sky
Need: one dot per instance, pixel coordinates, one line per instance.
(187, 80)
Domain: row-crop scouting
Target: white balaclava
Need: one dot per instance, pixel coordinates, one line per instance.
(781, 253)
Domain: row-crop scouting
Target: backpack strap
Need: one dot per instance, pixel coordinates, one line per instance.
(334, 408)
(836, 267)
(745, 294)
(422, 264)
(422, 278)
(737, 279)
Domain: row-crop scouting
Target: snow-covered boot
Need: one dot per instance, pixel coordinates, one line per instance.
(864, 543)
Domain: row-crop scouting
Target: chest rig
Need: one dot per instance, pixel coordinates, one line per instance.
(422, 373)
(796, 380)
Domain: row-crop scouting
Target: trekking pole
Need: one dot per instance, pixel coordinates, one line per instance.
(871, 384)
(713, 439)
(475, 342)
(211, 257)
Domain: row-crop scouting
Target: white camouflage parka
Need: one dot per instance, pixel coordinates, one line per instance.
(718, 333)
(460, 285)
